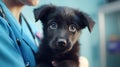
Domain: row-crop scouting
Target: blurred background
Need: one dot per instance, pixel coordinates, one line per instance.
(102, 46)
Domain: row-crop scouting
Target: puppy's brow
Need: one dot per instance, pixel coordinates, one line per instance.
(69, 11)
(65, 11)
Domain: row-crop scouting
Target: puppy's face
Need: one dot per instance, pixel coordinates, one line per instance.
(62, 30)
(62, 26)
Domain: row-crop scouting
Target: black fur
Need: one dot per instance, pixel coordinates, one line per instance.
(62, 27)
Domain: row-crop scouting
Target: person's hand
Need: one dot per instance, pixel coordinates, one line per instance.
(83, 62)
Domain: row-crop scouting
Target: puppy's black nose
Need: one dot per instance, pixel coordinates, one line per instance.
(61, 43)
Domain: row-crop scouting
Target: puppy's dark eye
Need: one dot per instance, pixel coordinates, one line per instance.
(72, 28)
(53, 25)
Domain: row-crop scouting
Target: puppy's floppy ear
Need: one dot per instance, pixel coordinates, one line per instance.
(87, 21)
(43, 11)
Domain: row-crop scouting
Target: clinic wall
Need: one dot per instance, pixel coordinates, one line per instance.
(89, 41)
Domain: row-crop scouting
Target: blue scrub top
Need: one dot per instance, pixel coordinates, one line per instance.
(17, 46)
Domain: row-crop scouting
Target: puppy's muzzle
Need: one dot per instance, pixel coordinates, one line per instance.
(61, 43)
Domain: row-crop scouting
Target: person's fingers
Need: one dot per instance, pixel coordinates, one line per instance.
(54, 63)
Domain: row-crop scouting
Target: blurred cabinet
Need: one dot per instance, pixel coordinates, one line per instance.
(109, 26)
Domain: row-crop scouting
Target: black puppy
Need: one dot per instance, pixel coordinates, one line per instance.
(62, 27)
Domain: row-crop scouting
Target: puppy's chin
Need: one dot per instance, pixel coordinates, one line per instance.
(58, 51)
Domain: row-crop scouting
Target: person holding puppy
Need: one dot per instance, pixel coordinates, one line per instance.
(18, 38)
